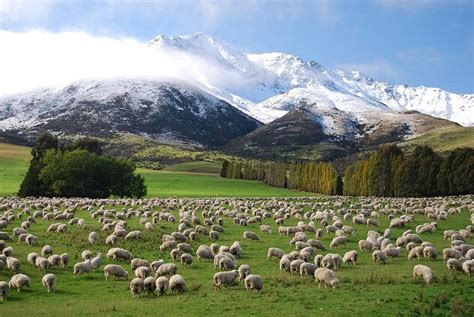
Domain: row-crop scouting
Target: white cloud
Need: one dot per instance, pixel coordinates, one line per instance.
(420, 55)
(380, 68)
(37, 59)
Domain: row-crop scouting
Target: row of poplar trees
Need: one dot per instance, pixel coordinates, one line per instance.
(311, 177)
(422, 174)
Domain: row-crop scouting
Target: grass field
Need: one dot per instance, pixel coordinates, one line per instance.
(444, 139)
(366, 289)
(190, 179)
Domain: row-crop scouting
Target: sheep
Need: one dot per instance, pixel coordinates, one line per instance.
(244, 271)
(150, 284)
(64, 259)
(86, 254)
(49, 281)
(155, 265)
(316, 244)
(392, 251)
(20, 280)
(162, 284)
(166, 269)
(31, 258)
(184, 247)
(350, 257)
(285, 264)
(337, 241)
(328, 261)
(275, 252)
(379, 257)
(54, 260)
(8, 251)
(137, 285)
(226, 263)
(41, 263)
(266, 229)
(318, 259)
(468, 267)
(415, 253)
(93, 237)
(116, 271)
(430, 253)
(168, 245)
(142, 272)
(4, 290)
(13, 264)
(295, 266)
(134, 235)
(307, 269)
(186, 259)
(177, 284)
(454, 265)
(31, 240)
(46, 251)
(111, 239)
(253, 283)
(225, 278)
(82, 267)
(451, 253)
(118, 253)
(424, 272)
(236, 249)
(365, 245)
(135, 263)
(326, 276)
(204, 254)
(250, 235)
(96, 262)
(214, 235)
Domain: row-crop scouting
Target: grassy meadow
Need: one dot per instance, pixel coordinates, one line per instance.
(365, 289)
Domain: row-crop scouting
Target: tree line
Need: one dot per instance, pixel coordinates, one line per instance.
(424, 173)
(387, 172)
(316, 177)
(78, 170)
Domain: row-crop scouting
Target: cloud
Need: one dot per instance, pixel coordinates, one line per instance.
(380, 68)
(420, 55)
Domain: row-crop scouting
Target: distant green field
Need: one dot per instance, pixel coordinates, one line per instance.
(167, 184)
(14, 162)
(190, 179)
(443, 139)
(195, 167)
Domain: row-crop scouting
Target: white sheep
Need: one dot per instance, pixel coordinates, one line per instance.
(116, 271)
(82, 267)
(337, 241)
(307, 269)
(150, 284)
(137, 285)
(468, 267)
(4, 290)
(350, 257)
(424, 272)
(177, 284)
(166, 269)
(244, 271)
(454, 265)
(93, 237)
(253, 283)
(186, 259)
(225, 278)
(13, 264)
(326, 276)
(142, 272)
(135, 263)
(162, 284)
(49, 281)
(20, 280)
(64, 259)
(46, 251)
(379, 257)
(275, 252)
(250, 235)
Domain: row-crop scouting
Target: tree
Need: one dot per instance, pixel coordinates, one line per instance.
(32, 185)
(225, 165)
(89, 144)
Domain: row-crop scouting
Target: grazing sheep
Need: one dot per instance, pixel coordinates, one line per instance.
(93, 237)
(64, 259)
(150, 284)
(316, 244)
(226, 264)
(13, 264)
(251, 235)
(392, 251)
(177, 284)
(137, 285)
(454, 265)
(155, 265)
(350, 257)
(20, 280)
(162, 284)
(253, 283)
(4, 290)
(31, 240)
(204, 254)
(118, 253)
(49, 281)
(186, 259)
(166, 269)
(134, 235)
(326, 276)
(82, 267)
(116, 271)
(295, 266)
(236, 249)
(307, 269)
(142, 272)
(168, 245)
(46, 251)
(135, 263)
(244, 271)
(111, 239)
(86, 254)
(285, 264)
(416, 253)
(8, 251)
(41, 263)
(31, 258)
(451, 253)
(379, 257)
(337, 241)
(424, 272)
(275, 252)
(266, 229)
(468, 267)
(366, 245)
(54, 260)
(328, 261)
(430, 253)
(225, 278)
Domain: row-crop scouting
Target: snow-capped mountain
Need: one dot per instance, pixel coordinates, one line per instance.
(223, 93)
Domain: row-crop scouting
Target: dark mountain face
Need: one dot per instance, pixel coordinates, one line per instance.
(171, 112)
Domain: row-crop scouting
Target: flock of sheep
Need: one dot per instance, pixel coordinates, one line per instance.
(206, 219)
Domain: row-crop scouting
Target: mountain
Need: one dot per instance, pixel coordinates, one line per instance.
(169, 112)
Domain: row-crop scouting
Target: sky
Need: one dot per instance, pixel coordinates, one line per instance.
(412, 42)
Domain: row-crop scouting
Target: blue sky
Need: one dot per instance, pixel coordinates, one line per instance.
(414, 42)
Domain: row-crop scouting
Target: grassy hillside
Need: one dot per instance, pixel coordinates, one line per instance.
(367, 289)
(14, 161)
(443, 139)
(190, 179)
